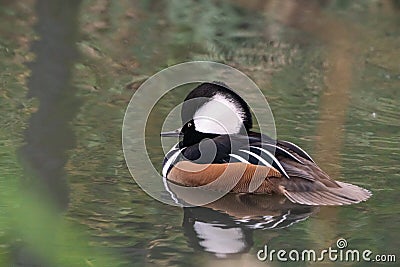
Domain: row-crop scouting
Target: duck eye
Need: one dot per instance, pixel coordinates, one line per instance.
(189, 124)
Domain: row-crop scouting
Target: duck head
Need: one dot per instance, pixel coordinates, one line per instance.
(209, 110)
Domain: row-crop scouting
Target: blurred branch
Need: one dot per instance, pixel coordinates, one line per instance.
(49, 135)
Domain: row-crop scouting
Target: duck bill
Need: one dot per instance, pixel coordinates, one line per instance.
(174, 133)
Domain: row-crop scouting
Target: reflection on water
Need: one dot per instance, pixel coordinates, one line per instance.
(225, 227)
(329, 69)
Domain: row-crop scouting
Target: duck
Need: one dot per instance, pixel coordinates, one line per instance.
(218, 149)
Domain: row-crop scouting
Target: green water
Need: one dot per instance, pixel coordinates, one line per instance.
(330, 71)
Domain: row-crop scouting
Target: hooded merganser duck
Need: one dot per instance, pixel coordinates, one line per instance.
(218, 149)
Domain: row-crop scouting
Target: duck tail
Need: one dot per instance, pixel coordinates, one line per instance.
(345, 194)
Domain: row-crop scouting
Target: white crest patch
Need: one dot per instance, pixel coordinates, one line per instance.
(220, 115)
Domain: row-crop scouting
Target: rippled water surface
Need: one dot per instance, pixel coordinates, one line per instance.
(330, 71)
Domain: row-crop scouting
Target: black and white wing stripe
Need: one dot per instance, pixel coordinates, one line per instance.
(258, 156)
(237, 158)
(278, 150)
(295, 148)
(271, 154)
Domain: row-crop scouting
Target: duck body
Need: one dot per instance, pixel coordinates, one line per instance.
(239, 160)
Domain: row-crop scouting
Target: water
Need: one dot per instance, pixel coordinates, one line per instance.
(329, 69)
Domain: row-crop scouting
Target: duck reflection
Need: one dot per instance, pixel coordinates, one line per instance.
(225, 227)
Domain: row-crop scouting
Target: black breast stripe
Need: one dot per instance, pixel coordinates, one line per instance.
(170, 159)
